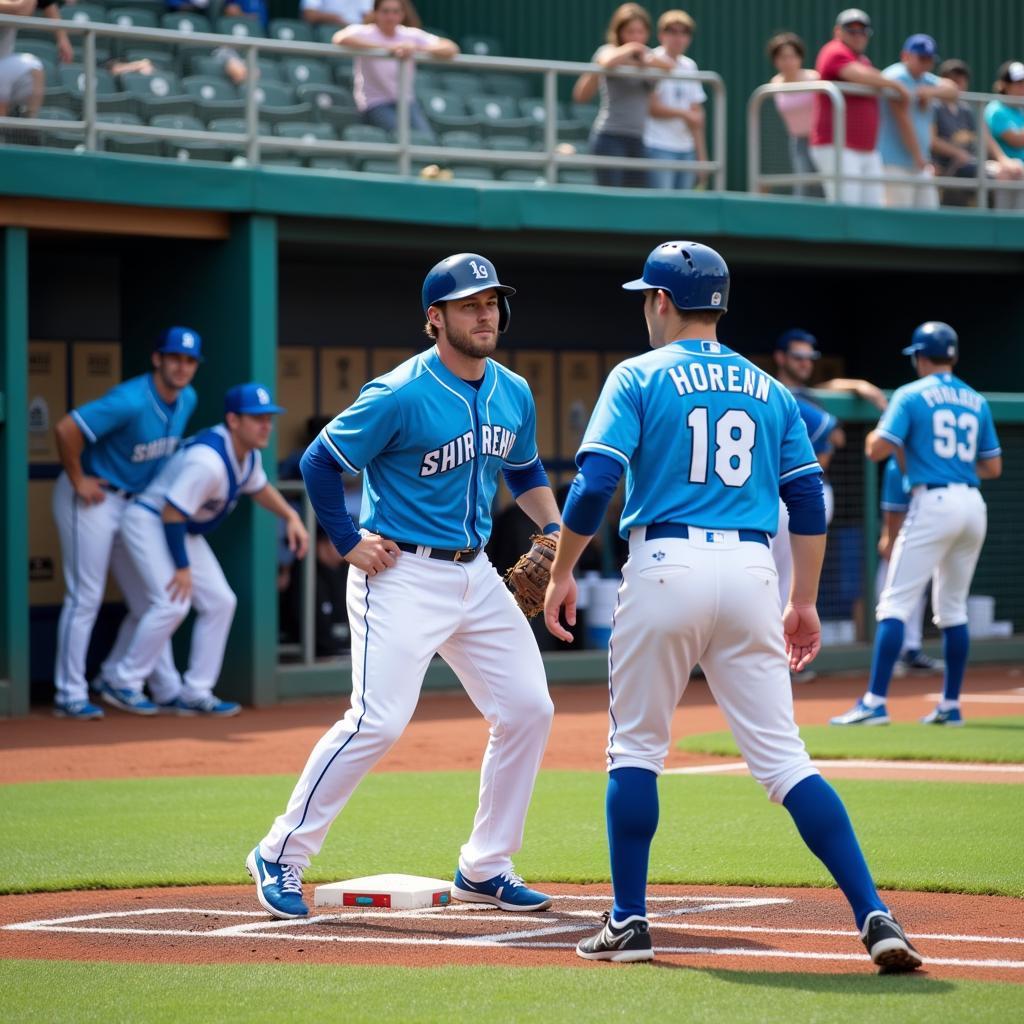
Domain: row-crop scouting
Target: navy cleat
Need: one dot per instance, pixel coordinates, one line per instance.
(627, 943)
(888, 945)
(83, 710)
(951, 716)
(208, 704)
(505, 891)
(861, 714)
(278, 887)
(127, 700)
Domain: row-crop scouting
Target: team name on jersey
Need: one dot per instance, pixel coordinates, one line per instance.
(943, 394)
(154, 449)
(690, 377)
(494, 440)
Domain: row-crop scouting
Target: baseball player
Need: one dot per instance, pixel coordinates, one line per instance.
(165, 534)
(111, 449)
(431, 437)
(708, 443)
(894, 504)
(942, 430)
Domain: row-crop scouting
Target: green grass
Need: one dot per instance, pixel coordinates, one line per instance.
(101, 992)
(179, 831)
(980, 739)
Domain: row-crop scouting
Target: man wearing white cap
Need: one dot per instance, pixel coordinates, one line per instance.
(1006, 125)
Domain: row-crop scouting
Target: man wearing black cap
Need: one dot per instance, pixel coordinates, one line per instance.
(842, 59)
(1006, 124)
(906, 130)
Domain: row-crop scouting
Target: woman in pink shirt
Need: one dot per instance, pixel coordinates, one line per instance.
(376, 79)
(786, 52)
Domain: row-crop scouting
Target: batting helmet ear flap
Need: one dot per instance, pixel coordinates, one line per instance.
(467, 273)
(504, 314)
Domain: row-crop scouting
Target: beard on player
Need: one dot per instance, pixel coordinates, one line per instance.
(477, 343)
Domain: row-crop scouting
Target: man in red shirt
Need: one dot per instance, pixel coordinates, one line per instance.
(842, 59)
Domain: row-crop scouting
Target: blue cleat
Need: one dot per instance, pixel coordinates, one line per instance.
(127, 700)
(951, 716)
(83, 710)
(278, 887)
(861, 714)
(206, 705)
(505, 891)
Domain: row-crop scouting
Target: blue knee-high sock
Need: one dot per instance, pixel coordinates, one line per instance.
(631, 807)
(955, 645)
(824, 825)
(888, 643)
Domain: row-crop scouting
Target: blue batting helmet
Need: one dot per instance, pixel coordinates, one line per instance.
(693, 274)
(464, 274)
(934, 340)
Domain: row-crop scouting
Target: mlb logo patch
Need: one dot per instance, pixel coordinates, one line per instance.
(711, 347)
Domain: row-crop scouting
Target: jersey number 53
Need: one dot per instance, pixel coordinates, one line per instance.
(946, 426)
(735, 433)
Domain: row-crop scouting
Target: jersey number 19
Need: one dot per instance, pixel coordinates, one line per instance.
(735, 432)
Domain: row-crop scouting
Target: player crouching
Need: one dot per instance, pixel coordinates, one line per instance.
(164, 531)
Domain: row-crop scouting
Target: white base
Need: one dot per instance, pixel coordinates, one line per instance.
(395, 892)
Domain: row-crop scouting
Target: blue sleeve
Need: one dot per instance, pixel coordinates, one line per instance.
(797, 457)
(820, 425)
(894, 425)
(105, 414)
(614, 428)
(327, 493)
(988, 439)
(175, 534)
(999, 119)
(526, 478)
(371, 423)
(590, 492)
(895, 494)
(524, 451)
(805, 501)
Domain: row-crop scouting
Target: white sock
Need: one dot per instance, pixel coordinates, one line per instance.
(619, 925)
(872, 700)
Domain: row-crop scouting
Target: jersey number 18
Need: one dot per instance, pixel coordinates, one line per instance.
(735, 433)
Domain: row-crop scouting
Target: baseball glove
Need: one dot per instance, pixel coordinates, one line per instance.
(528, 578)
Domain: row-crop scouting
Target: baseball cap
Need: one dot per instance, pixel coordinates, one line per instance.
(1010, 71)
(796, 334)
(921, 44)
(252, 399)
(181, 340)
(954, 66)
(853, 15)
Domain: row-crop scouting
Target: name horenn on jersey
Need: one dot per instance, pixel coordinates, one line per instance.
(692, 377)
(157, 449)
(494, 440)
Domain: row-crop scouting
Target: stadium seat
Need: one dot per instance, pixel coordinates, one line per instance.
(240, 26)
(481, 46)
(365, 133)
(159, 93)
(181, 122)
(305, 71)
(236, 125)
(324, 97)
(500, 83)
(461, 83)
(379, 166)
(56, 114)
(463, 140)
(344, 73)
(307, 131)
(291, 30)
(500, 115)
(472, 172)
(207, 87)
(133, 17)
(422, 138)
(186, 23)
(128, 144)
(198, 151)
(164, 59)
(44, 49)
(72, 78)
(513, 143)
(116, 103)
(446, 111)
(523, 174)
(577, 176)
(330, 163)
(85, 12)
(273, 94)
(270, 70)
(324, 33)
(156, 6)
(281, 160)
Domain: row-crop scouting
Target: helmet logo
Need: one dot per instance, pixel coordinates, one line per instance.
(716, 298)
(479, 270)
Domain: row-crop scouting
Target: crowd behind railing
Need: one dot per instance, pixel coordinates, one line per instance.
(360, 84)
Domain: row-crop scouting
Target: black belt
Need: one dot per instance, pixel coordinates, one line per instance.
(941, 487)
(655, 531)
(444, 554)
(120, 492)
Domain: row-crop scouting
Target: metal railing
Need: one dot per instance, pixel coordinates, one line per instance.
(981, 184)
(306, 648)
(548, 161)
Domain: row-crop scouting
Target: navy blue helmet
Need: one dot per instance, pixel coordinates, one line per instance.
(463, 274)
(934, 340)
(693, 274)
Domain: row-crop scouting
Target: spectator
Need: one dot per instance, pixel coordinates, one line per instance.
(188, 6)
(843, 60)
(22, 78)
(955, 141)
(675, 121)
(116, 66)
(255, 9)
(376, 80)
(232, 63)
(906, 129)
(1006, 124)
(619, 126)
(336, 12)
(786, 52)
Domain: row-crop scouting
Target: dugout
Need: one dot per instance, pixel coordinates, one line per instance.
(313, 281)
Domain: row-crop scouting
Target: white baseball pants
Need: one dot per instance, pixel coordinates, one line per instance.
(913, 629)
(91, 544)
(941, 540)
(399, 619)
(782, 551)
(684, 601)
(212, 598)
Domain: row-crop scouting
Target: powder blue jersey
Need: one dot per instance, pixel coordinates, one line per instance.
(705, 436)
(895, 487)
(131, 432)
(432, 447)
(819, 423)
(943, 426)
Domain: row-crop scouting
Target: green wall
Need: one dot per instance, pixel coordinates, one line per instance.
(731, 36)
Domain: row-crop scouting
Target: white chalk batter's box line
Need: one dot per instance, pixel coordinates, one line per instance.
(549, 926)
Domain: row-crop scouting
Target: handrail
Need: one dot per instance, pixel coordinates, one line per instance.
(547, 161)
(307, 616)
(837, 92)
